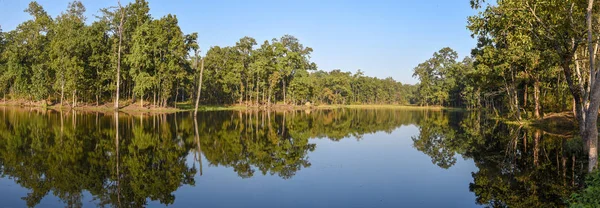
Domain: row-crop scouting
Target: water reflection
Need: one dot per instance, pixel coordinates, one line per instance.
(518, 166)
(128, 160)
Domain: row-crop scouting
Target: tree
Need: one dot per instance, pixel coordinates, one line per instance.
(67, 51)
(291, 57)
(434, 79)
(127, 54)
(244, 50)
(97, 75)
(26, 55)
(120, 34)
(566, 28)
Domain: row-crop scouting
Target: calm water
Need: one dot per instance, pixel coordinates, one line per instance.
(327, 158)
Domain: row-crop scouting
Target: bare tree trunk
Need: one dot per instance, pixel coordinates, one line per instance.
(536, 97)
(74, 92)
(515, 97)
(62, 92)
(176, 94)
(525, 96)
(199, 87)
(591, 126)
(119, 55)
(592, 131)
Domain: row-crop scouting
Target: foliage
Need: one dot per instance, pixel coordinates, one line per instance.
(50, 59)
(590, 195)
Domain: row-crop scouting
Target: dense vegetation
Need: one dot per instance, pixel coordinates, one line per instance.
(532, 57)
(128, 54)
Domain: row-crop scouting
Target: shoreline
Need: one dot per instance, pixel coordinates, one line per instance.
(186, 107)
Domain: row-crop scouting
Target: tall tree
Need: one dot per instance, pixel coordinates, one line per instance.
(120, 33)
(67, 51)
(26, 55)
(434, 79)
(568, 28)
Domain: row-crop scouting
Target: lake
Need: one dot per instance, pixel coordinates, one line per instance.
(319, 158)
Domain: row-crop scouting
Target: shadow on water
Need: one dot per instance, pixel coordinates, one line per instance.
(129, 160)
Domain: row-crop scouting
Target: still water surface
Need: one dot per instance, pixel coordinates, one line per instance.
(324, 158)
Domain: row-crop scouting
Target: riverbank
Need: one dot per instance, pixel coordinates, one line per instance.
(128, 106)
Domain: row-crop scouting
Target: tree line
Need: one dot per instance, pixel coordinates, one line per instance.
(126, 53)
(531, 58)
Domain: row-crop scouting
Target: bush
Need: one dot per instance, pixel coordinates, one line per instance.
(590, 195)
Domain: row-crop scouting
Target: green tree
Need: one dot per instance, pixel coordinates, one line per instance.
(67, 51)
(434, 79)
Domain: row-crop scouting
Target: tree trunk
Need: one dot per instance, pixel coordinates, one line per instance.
(574, 108)
(62, 92)
(536, 97)
(241, 92)
(199, 87)
(74, 91)
(119, 56)
(269, 96)
(592, 139)
(536, 141)
(525, 96)
(516, 100)
(591, 127)
(284, 89)
(176, 94)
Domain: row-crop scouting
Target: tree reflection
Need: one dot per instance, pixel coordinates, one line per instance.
(435, 139)
(518, 166)
(110, 157)
(125, 160)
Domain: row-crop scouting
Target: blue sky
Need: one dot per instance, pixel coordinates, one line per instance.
(382, 38)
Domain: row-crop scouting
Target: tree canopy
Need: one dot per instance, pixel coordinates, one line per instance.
(127, 53)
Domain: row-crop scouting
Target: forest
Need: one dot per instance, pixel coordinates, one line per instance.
(532, 58)
(127, 54)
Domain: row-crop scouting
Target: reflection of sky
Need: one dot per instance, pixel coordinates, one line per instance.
(381, 170)
(12, 195)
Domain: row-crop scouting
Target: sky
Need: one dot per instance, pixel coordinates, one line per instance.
(381, 38)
